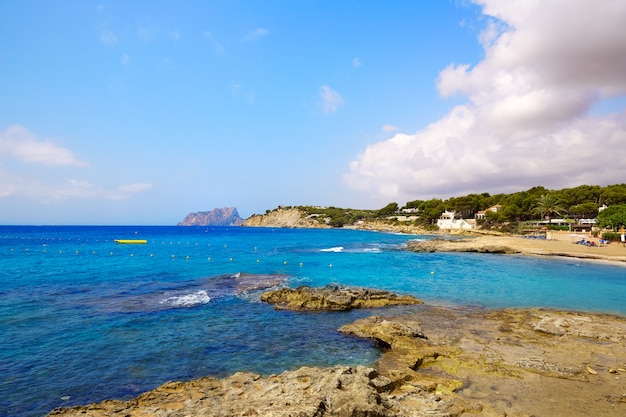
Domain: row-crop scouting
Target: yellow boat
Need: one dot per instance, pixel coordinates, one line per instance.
(131, 241)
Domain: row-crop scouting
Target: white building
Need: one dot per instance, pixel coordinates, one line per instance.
(481, 214)
(448, 222)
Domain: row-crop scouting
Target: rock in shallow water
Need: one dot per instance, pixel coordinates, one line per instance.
(334, 298)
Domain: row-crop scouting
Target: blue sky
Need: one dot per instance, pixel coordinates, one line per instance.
(139, 112)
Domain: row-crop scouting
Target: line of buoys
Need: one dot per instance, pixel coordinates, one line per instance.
(173, 256)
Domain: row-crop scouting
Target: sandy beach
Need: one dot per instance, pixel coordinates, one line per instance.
(555, 244)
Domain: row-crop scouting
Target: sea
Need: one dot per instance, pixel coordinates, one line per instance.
(83, 319)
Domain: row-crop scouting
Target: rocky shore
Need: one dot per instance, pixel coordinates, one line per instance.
(437, 362)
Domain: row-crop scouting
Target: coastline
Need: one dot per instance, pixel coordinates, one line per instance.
(556, 244)
(436, 361)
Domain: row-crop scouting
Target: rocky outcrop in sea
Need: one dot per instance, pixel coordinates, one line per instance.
(334, 298)
(226, 216)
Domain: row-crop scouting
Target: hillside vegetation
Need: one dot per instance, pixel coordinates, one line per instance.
(582, 202)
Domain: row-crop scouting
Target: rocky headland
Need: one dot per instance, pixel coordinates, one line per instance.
(437, 362)
(334, 298)
(284, 217)
(226, 216)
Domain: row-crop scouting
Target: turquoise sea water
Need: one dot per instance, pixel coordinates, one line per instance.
(83, 318)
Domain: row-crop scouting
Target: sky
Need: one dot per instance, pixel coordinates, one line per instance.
(117, 112)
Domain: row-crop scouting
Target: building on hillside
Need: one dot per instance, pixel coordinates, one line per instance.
(481, 214)
(447, 221)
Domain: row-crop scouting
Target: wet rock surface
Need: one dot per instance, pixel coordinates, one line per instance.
(441, 362)
(505, 363)
(334, 298)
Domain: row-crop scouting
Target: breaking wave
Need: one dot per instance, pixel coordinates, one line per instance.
(334, 249)
(188, 300)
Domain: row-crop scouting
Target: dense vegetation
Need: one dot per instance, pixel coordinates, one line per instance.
(536, 203)
(575, 203)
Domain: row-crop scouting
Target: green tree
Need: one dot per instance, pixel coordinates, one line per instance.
(511, 213)
(388, 210)
(547, 205)
(584, 210)
(613, 217)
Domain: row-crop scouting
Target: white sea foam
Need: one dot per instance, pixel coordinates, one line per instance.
(334, 249)
(370, 250)
(188, 300)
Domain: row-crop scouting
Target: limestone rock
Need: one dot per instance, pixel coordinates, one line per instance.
(341, 391)
(334, 298)
(436, 362)
(284, 217)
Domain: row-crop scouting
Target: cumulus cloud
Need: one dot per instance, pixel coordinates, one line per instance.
(19, 143)
(331, 100)
(255, 34)
(527, 120)
(36, 159)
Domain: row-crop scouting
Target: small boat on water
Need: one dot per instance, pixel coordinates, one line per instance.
(131, 241)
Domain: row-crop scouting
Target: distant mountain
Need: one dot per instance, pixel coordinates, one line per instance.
(227, 216)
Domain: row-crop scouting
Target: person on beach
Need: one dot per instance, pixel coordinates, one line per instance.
(623, 239)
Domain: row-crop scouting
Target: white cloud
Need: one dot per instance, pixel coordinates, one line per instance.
(216, 45)
(331, 100)
(108, 38)
(527, 121)
(390, 128)
(33, 161)
(43, 190)
(136, 187)
(255, 34)
(356, 63)
(17, 142)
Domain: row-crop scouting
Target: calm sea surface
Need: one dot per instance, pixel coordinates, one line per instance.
(83, 318)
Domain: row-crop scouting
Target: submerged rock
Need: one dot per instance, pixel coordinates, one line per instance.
(334, 298)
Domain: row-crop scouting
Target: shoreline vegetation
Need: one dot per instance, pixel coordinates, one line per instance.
(435, 361)
(552, 243)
